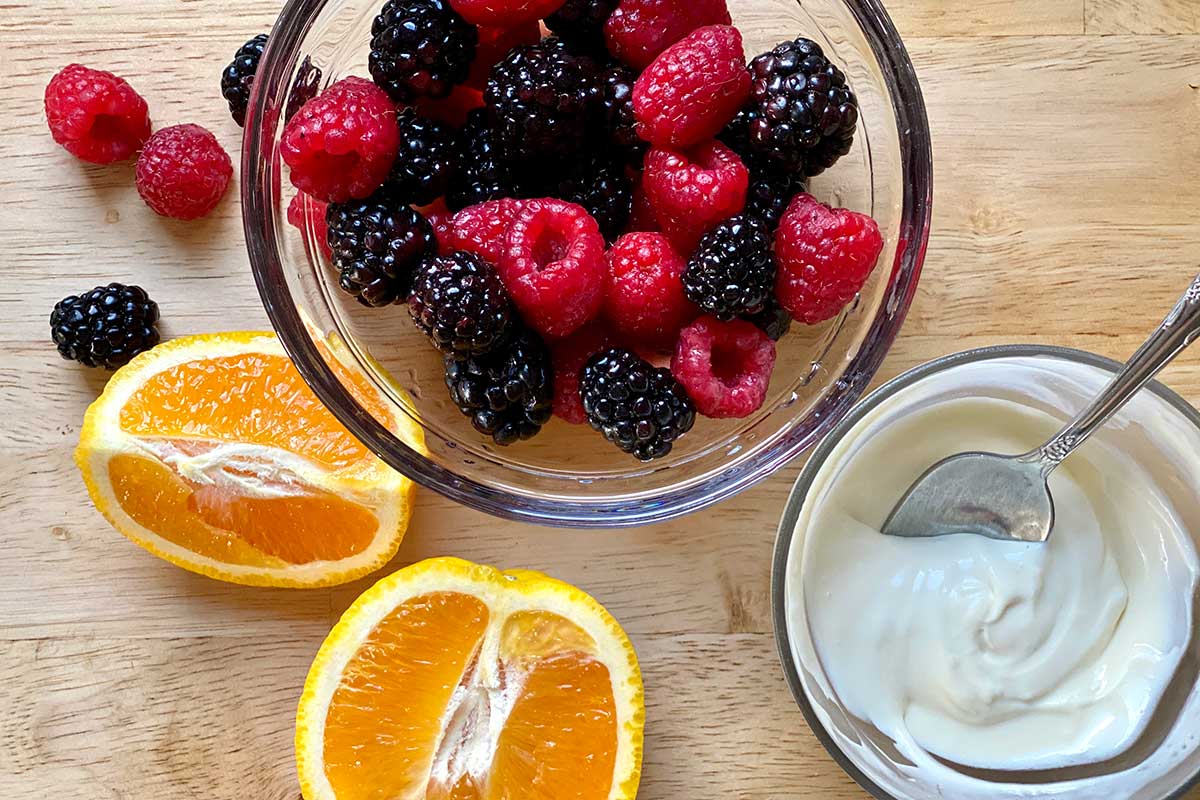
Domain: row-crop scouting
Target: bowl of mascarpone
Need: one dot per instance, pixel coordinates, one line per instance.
(968, 668)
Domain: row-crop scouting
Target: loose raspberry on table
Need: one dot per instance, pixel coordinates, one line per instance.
(724, 366)
(568, 356)
(693, 89)
(691, 191)
(553, 266)
(498, 13)
(420, 48)
(307, 212)
(481, 228)
(824, 255)
(732, 270)
(646, 300)
(494, 44)
(342, 143)
(183, 172)
(95, 115)
(638, 30)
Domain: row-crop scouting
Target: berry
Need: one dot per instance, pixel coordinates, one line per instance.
(692, 191)
(645, 299)
(693, 89)
(732, 271)
(619, 119)
(580, 23)
(498, 13)
(304, 212)
(544, 100)
(825, 256)
(773, 320)
(801, 114)
(442, 222)
(508, 393)
(377, 244)
(453, 108)
(642, 216)
(639, 30)
(639, 408)
(568, 356)
(770, 192)
(238, 77)
(724, 366)
(105, 327)
(481, 172)
(459, 302)
(420, 48)
(481, 228)
(304, 88)
(422, 168)
(494, 44)
(600, 185)
(553, 266)
(95, 115)
(183, 172)
(341, 144)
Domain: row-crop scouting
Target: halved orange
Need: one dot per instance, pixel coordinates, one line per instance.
(212, 453)
(453, 681)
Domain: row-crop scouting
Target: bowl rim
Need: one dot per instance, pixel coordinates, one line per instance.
(916, 170)
(799, 493)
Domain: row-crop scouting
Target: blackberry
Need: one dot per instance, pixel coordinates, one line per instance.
(238, 77)
(459, 302)
(732, 271)
(420, 48)
(304, 88)
(772, 319)
(422, 168)
(580, 23)
(376, 245)
(639, 408)
(801, 114)
(769, 193)
(481, 171)
(599, 184)
(508, 393)
(544, 100)
(619, 121)
(105, 327)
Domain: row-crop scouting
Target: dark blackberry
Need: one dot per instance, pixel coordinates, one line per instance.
(580, 23)
(304, 88)
(772, 319)
(105, 327)
(481, 172)
(801, 114)
(544, 100)
(376, 245)
(460, 303)
(420, 48)
(639, 408)
(769, 193)
(599, 184)
(619, 121)
(423, 165)
(238, 77)
(508, 393)
(732, 271)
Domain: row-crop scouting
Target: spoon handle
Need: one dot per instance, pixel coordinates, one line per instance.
(1178, 330)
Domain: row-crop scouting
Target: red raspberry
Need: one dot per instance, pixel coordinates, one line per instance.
(304, 206)
(481, 228)
(504, 13)
(553, 266)
(824, 257)
(494, 44)
(641, 217)
(453, 108)
(341, 144)
(645, 299)
(693, 89)
(639, 30)
(694, 190)
(569, 355)
(183, 172)
(95, 115)
(724, 366)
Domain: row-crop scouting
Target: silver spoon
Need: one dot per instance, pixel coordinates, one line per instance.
(1008, 497)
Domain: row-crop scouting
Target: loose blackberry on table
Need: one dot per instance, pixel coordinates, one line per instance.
(238, 77)
(420, 48)
(639, 408)
(423, 165)
(509, 392)
(376, 246)
(459, 302)
(105, 327)
(732, 271)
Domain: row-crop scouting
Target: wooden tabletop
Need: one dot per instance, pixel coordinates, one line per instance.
(1067, 190)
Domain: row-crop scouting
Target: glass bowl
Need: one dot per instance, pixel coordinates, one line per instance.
(1164, 762)
(568, 475)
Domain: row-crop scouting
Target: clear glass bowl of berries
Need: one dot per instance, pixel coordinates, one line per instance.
(617, 260)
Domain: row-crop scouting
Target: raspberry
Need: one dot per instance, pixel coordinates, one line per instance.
(420, 48)
(692, 191)
(639, 408)
(452, 109)
(732, 271)
(693, 89)
(304, 209)
(645, 299)
(724, 366)
(553, 266)
(641, 216)
(494, 44)
(639, 30)
(459, 302)
(183, 172)
(342, 143)
(238, 77)
(497, 13)
(95, 115)
(825, 255)
(481, 228)
(568, 356)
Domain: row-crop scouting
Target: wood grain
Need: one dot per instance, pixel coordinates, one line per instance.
(1066, 187)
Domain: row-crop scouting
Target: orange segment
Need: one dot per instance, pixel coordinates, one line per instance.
(529, 634)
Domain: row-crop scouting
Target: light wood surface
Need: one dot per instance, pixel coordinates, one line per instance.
(1067, 190)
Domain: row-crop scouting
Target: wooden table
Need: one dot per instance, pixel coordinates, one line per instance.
(1068, 185)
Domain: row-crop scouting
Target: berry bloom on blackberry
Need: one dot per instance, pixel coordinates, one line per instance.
(495, 43)
(423, 165)
(732, 271)
(95, 115)
(377, 245)
(342, 144)
(568, 357)
(459, 302)
(498, 13)
(481, 171)
(693, 89)
(553, 266)
(183, 172)
(825, 255)
(238, 77)
(580, 23)
(724, 366)
(420, 48)
(645, 299)
(638, 30)
(639, 408)
(508, 393)
(691, 191)
(105, 327)
(306, 211)
(481, 228)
